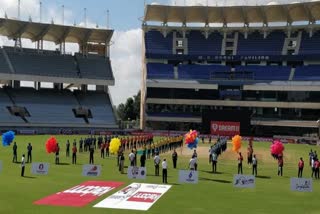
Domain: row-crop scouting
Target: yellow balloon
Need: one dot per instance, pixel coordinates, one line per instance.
(114, 145)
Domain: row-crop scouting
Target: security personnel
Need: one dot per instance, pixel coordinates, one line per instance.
(29, 149)
(143, 159)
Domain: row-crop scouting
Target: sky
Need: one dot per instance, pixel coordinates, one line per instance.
(124, 18)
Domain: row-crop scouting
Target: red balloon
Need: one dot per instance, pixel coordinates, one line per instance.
(51, 145)
(277, 148)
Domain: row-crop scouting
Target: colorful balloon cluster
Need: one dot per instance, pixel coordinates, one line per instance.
(191, 139)
(114, 145)
(7, 138)
(236, 143)
(276, 149)
(51, 145)
(219, 147)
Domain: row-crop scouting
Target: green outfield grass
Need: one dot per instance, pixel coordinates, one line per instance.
(214, 193)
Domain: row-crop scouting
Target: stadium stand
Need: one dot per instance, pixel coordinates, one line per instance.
(156, 43)
(199, 45)
(160, 71)
(255, 44)
(5, 115)
(100, 105)
(208, 63)
(310, 45)
(307, 73)
(94, 67)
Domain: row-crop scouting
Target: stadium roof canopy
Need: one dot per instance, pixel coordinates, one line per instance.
(51, 32)
(289, 13)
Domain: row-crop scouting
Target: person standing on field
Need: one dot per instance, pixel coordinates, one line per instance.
(240, 159)
(214, 162)
(254, 165)
(74, 154)
(164, 171)
(316, 166)
(15, 154)
(300, 167)
(68, 149)
(174, 158)
(23, 164)
(280, 165)
(156, 161)
(29, 149)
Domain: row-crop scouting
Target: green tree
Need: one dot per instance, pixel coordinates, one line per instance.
(131, 109)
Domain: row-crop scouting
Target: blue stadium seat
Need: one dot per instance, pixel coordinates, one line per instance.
(156, 43)
(266, 72)
(203, 72)
(199, 45)
(159, 71)
(307, 73)
(310, 45)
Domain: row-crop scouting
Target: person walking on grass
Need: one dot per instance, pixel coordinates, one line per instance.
(254, 165)
(240, 159)
(300, 167)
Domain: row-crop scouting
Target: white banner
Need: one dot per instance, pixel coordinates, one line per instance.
(136, 196)
(301, 184)
(91, 170)
(244, 181)
(188, 176)
(0, 166)
(135, 172)
(40, 168)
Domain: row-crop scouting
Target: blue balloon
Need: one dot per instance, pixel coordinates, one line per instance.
(7, 138)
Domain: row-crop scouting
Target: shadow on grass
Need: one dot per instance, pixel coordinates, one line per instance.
(173, 184)
(263, 177)
(29, 177)
(210, 172)
(63, 164)
(215, 180)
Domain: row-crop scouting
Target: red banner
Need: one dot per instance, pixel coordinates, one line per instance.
(225, 128)
(80, 195)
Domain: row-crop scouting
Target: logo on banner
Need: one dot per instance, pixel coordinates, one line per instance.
(301, 184)
(91, 170)
(244, 181)
(79, 195)
(40, 168)
(135, 172)
(148, 197)
(225, 128)
(135, 197)
(188, 176)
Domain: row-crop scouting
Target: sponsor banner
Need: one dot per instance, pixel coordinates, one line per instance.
(224, 128)
(301, 184)
(136, 196)
(188, 176)
(40, 168)
(135, 172)
(91, 170)
(80, 195)
(244, 181)
(0, 166)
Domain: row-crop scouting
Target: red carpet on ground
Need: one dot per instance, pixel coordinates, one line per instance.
(79, 195)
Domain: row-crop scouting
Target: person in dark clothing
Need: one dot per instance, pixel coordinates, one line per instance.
(91, 150)
(57, 154)
(164, 171)
(174, 159)
(280, 165)
(23, 164)
(101, 146)
(15, 148)
(81, 145)
(143, 159)
(29, 148)
(107, 149)
(121, 165)
(74, 154)
(240, 159)
(68, 148)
